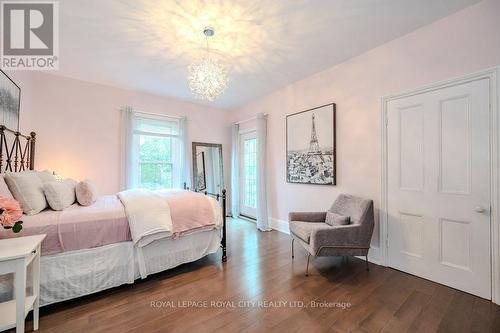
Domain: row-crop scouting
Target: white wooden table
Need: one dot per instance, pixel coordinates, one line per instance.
(15, 256)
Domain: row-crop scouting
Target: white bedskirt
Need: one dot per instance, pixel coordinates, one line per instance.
(77, 273)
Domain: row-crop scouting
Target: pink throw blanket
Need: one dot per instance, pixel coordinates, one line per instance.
(190, 211)
(159, 214)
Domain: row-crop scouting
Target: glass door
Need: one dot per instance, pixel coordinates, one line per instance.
(248, 175)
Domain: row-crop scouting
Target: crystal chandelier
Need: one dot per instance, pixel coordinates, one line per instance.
(207, 78)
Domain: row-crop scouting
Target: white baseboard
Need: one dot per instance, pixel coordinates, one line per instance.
(373, 255)
(282, 226)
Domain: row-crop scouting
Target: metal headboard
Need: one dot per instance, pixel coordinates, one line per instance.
(17, 151)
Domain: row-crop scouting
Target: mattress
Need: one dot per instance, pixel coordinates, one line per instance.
(68, 275)
(78, 227)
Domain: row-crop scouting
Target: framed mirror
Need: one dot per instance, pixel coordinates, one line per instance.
(208, 174)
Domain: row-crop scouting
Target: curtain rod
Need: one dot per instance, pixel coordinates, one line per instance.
(153, 113)
(247, 120)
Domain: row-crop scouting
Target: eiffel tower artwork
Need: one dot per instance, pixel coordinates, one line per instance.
(311, 146)
(314, 144)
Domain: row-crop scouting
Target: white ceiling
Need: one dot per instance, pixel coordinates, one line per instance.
(147, 45)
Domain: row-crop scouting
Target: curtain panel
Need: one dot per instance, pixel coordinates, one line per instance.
(262, 214)
(235, 179)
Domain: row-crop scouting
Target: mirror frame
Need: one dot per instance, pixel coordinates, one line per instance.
(195, 166)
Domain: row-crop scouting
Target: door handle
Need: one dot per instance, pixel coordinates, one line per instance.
(479, 209)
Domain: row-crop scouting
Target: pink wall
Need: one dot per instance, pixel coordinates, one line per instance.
(462, 43)
(78, 124)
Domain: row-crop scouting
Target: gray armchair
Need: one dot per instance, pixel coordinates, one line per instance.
(321, 239)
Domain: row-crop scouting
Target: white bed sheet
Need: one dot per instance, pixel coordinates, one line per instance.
(78, 273)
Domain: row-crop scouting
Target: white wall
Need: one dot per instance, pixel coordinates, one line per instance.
(462, 43)
(78, 124)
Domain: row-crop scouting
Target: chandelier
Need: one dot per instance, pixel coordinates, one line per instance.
(207, 78)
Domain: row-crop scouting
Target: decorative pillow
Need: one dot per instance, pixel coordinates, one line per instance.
(27, 188)
(60, 194)
(86, 193)
(334, 219)
(4, 190)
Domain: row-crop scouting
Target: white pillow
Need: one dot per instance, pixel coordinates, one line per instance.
(27, 188)
(4, 190)
(45, 176)
(86, 193)
(60, 194)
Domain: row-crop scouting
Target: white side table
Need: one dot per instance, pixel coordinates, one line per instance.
(15, 256)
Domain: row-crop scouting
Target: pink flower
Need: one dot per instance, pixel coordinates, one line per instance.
(11, 211)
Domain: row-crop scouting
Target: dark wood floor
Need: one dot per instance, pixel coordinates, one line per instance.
(259, 268)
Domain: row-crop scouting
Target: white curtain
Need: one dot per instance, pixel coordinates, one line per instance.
(235, 148)
(262, 216)
(184, 153)
(126, 153)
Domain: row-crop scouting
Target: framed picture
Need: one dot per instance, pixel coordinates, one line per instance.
(10, 98)
(310, 146)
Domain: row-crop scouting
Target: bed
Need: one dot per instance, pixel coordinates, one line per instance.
(89, 249)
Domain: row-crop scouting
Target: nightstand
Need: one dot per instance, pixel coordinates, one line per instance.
(15, 256)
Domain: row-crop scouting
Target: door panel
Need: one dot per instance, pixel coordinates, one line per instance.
(411, 233)
(454, 146)
(411, 136)
(438, 186)
(455, 247)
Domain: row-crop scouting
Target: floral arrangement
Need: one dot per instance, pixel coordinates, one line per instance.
(10, 214)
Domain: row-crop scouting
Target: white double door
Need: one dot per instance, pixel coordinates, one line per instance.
(439, 186)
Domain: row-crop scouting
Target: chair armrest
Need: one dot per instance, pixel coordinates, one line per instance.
(307, 216)
(350, 235)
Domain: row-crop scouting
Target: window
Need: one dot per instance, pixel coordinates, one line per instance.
(248, 174)
(155, 162)
(250, 170)
(156, 146)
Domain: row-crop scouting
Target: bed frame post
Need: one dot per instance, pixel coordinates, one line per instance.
(32, 151)
(223, 241)
(218, 197)
(15, 150)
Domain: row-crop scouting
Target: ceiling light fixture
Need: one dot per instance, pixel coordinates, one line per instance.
(207, 78)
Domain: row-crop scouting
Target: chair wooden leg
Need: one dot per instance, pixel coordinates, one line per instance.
(307, 265)
(367, 267)
(292, 248)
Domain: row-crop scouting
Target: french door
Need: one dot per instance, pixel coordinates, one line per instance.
(248, 174)
(439, 186)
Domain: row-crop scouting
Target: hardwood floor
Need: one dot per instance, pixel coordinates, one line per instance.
(260, 268)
